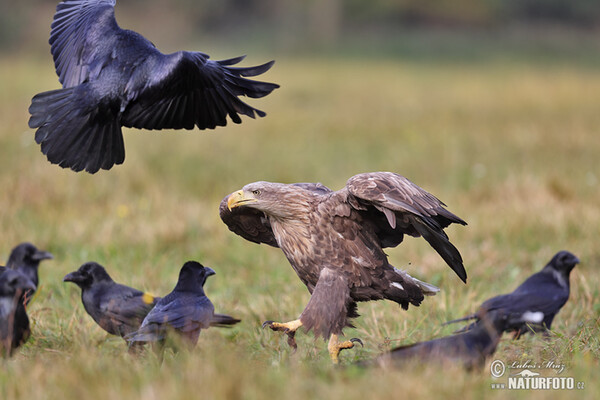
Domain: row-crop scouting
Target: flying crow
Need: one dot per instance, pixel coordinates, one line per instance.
(26, 259)
(335, 243)
(14, 323)
(185, 311)
(113, 77)
(118, 309)
(537, 300)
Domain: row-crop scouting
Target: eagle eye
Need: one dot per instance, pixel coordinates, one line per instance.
(256, 192)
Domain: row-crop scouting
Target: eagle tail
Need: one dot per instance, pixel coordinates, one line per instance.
(74, 132)
(435, 236)
(405, 290)
(223, 321)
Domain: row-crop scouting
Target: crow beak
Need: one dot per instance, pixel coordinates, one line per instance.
(239, 198)
(42, 255)
(29, 285)
(209, 271)
(72, 277)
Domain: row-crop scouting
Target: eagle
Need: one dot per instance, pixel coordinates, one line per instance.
(335, 242)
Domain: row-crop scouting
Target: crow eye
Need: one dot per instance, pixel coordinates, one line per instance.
(256, 192)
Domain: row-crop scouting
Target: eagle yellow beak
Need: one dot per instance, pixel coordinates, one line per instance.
(239, 198)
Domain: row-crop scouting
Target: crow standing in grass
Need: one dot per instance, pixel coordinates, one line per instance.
(537, 300)
(14, 322)
(113, 77)
(470, 348)
(335, 243)
(26, 259)
(118, 309)
(186, 310)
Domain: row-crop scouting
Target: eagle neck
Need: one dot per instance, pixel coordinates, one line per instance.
(295, 227)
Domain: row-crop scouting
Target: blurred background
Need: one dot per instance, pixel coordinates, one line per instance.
(453, 27)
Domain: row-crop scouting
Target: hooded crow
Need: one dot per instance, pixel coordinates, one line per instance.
(186, 310)
(118, 309)
(537, 300)
(14, 323)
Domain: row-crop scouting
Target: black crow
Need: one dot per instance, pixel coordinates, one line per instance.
(114, 77)
(537, 300)
(186, 310)
(14, 323)
(471, 348)
(26, 259)
(118, 309)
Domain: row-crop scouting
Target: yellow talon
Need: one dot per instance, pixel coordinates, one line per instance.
(289, 328)
(335, 347)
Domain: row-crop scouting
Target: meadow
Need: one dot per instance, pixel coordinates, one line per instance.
(511, 146)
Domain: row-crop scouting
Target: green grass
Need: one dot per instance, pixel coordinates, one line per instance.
(512, 147)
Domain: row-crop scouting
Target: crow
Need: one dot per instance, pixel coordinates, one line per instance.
(537, 300)
(114, 77)
(14, 322)
(26, 259)
(118, 309)
(471, 348)
(186, 310)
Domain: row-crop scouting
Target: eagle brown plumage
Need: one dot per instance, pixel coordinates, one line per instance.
(335, 241)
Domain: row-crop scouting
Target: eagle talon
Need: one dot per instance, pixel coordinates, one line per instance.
(335, 347)
(267, 323)
(289, 328)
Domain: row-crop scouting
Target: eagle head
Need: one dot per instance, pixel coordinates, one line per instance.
(277, 200)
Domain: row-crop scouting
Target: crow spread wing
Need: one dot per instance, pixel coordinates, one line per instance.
(187, 89)
(77, 25)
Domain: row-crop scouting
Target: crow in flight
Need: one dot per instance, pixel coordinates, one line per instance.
(114, 77)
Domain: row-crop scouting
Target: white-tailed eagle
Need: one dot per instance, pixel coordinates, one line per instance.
(335, 241)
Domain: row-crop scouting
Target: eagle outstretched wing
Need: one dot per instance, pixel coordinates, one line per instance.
(396, 206)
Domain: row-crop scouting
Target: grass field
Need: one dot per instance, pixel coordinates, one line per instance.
(510, 146)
